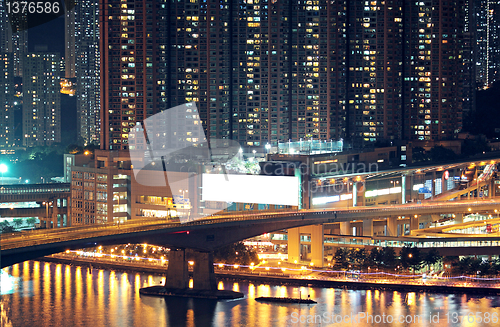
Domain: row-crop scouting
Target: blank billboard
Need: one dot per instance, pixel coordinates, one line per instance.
(280, 190)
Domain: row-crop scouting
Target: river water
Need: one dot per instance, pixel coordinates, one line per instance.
(47, 294)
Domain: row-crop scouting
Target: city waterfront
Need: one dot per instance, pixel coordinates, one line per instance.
(50, 294)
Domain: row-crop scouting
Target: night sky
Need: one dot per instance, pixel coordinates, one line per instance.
(50, 34)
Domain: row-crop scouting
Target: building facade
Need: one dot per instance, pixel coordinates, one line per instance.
(82, 66)
(41, 99)
(487, 35)
(274, 71)
(6, 100)
(14, 37)
(104, 190)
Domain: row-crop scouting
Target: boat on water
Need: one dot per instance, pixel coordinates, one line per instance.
(285, 300)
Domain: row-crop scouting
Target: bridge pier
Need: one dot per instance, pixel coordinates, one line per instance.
(368, 227)
(177, 272)
(294, 245)
(459, 218)
(344, 228)
(317, 246)
(392, 226)
(414, 223)
(55, 211)
(203, 271)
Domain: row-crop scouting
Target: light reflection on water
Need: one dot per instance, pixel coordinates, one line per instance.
(48, 294)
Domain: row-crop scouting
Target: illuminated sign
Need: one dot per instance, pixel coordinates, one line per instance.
(282, 190)
(325, 199)
(385, 191)
(346, 196)
(446, 175)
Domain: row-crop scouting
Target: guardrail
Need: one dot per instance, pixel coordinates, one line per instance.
(131, 227)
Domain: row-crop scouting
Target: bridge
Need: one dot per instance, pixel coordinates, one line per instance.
(52, 197)
(206, 235)
(34, 192)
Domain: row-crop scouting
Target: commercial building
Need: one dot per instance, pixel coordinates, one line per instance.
(104, 189)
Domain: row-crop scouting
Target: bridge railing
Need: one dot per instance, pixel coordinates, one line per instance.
(149, 225)
(35, 188)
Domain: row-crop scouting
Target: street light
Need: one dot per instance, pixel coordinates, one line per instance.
(183, 193)
(254, 153)
(268, 147)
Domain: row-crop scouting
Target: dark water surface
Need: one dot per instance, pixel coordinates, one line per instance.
(48, 294)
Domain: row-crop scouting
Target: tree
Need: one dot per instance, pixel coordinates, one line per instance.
(440, 153)
(359, 258)
(341, 258)
(405, 257)
(467, 266)
(410, 257)
(472, 147)
(375, 257)
(388, 257)
(6, 227)
(432, 257)
(419, 155)
(236, 253)
(415, 259)
(31, 221)
(18, 222)
(74, 149)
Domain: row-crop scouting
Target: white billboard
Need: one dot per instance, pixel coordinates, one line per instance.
(279, 190)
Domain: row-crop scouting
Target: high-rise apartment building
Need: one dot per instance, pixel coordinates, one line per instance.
(14, 37)
(375, 70)
(271, 71)
(432, 69)
(69, 42)
(41, 99)
(469, 60)
(487, 34)
(82, 62)
(88, 70)
(6, 100)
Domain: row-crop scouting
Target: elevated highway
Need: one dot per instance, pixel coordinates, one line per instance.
(34, 192)
(210, 233)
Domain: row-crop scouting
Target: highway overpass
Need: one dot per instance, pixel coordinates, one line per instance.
(212, 233)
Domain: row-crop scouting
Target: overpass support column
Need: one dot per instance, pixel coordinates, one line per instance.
(294, 245)
(177, 272)
(55, 212)
(491, 188)
(403, 189)
(317, 248)
(68, 212)
(392, 226)
(344, 228)
(354, 194)
(433, 190)
(368, 227)
(414, 223)
(203, 271)
(459, 218)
